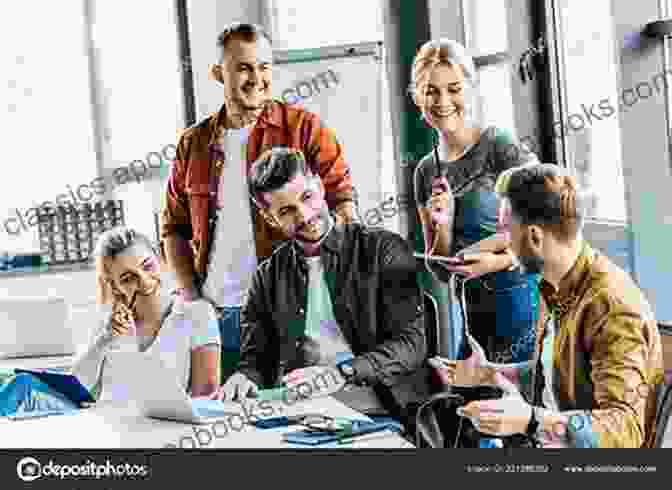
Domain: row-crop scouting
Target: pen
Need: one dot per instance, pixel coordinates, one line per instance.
(132, 304)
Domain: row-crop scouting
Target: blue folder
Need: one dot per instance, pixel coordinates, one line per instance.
(66, 384)
(317, 438)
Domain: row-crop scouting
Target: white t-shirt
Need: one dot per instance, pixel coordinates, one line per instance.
(181, 332)
(322, 330)
(233, 257)
(326, 342)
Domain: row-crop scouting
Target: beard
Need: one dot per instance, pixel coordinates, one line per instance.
(531, 263)
(323, 218)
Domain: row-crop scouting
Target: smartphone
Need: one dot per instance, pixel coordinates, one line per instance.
(488, 364)
(477, 392)
(448, 260)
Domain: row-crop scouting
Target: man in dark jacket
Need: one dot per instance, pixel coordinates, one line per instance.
(340, 298)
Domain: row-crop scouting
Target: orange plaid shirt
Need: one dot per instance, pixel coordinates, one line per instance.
(194, 177)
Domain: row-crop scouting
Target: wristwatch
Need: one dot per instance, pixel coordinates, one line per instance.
(515, 263)
(347, 371)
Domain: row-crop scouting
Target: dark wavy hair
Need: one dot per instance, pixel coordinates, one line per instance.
(273, 169)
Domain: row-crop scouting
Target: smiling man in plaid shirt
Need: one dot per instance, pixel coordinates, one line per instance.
(211, 237)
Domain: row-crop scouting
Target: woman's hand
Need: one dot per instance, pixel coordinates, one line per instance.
(345, 213)
(478, 264)
(441, 202)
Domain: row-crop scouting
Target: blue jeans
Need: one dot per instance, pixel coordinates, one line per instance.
(501, 310)
(228, 318)
(516, 313)
(25, 393)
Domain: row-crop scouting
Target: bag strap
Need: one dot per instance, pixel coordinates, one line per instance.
(426, 423)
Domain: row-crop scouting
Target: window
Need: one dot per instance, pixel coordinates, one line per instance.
(48, 141)
(55, 105)
(485, 23)
(591, 112)
(141, 107)
(307, 24)
(303, 24)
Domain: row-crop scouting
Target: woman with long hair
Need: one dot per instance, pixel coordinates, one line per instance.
(458, 209)
(137, 316)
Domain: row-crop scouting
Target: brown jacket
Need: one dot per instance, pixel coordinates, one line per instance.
(607, 352)
(194, 177)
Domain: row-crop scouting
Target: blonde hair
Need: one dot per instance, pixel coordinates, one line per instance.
(110, 244)
(432, 54)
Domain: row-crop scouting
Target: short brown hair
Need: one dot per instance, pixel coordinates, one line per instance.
(548, 196)
(240, 30)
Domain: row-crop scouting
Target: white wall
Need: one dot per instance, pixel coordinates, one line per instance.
(207, 18)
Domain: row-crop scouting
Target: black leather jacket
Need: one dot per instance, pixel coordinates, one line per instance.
(376, 298)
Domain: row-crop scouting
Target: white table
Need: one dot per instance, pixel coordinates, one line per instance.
(50, 362)
(113, 427)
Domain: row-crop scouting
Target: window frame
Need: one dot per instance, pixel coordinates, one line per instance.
(98, 117)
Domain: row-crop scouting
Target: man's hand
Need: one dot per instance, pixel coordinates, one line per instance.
(470, 371)
(345, 213)
(237, 388)
(322, 380)
(504, 417)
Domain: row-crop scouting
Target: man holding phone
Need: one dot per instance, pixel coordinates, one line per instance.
(593, 382)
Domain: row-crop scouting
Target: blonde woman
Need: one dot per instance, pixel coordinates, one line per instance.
(137, 317)
(459, 209)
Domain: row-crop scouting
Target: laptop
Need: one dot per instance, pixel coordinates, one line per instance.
(35, 327)
(159, 394)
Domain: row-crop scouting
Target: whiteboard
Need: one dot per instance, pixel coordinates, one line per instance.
(343, 86)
